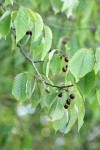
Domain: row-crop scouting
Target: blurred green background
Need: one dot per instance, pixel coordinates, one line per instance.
(25, 128)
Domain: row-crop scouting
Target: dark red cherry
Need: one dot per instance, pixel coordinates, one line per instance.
(72, 96)
(66, 59)
(66, 106)
(60, 94)
(68, 101)
(28, 33)
(64, 69)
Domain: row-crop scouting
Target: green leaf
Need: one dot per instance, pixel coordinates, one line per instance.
(56, 5)
(98, 95)
(8, 2)
(55, 64)
(57, 124)
(46, 64)
(38, 27)
(23, 86)
(36, 95)
(30, 86)
(21, 23)
(50, 99)
(32, 14)
(56, 110)
(5, 24)
(86, 84)
(37, 39)
(73, 118)
(44, 99)
(47, 41)
(97, 56)
(69, 5)
(82, 62)
(81, 109)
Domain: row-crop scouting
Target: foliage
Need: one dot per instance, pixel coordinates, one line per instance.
(42, 79)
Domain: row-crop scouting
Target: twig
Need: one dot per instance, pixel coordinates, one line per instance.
(70, 29)
(60, 87)
(33, 62)
(4, 7)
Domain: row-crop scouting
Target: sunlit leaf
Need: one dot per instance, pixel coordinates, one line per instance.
(8, 2)
(47, 41)
(23, 86)
(56, 5)
(69, 5)
(21, 23)
(82, 62)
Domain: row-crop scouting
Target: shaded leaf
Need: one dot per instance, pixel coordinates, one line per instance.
(97, 56)
(56, 5)
(55, 64)
(73, 118)
(98, 95)
(62, 122)
(56, 110)
(86, 84)
(81, 109)
(5, 24)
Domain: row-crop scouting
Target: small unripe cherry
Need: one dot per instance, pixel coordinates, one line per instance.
(60, 94)
(68, 101)
(72, 96)
(64, 69)
(66, 106)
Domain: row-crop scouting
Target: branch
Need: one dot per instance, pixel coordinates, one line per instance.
(70, 29)
(60, 87)
(33, 62)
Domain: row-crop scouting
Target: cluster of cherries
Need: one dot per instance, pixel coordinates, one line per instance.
(68, 101)
(64, 69)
